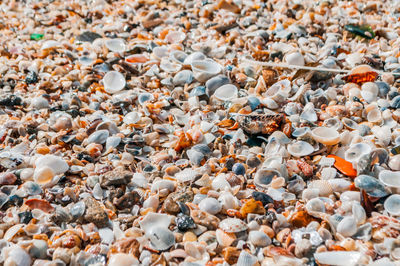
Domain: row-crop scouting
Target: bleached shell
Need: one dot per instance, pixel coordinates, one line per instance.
(326, 135)
(232, 225)
(246, 259)
(12, 231)
(178, 56)
(300, 148)
(186, 175)
(163, 184)
(116, 45)
(113, 82)
(226, 92)
(390, 178)
(132, 117)
(315, 205)
(154, 220)
(228, 201)
(16, 255)
(264, 177)
(392, 205)
(203, 70)
(122, 259)
(325, 188)
(204, 181)
(345, 258)
(259, 238)
(161, 238)
(355, 151)
(333, 123)
(57, 164)
(358, 212)
(210, 205)
(339, 184)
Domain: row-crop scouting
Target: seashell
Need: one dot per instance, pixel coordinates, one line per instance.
(392, 205)
(309, 113)
(77, 210)
(263, 177)
(350, 124)
(382, 133)
(116, 45)
(32, 188)
(371, 185)
(356, 151)
(43, 175)
(363, 232)
(369, 91)
(334, 123)
(232, 225)
(203, 70)
(187, 175)
(315, 205)
(132, 118)
(161, 238)
(175, 37)
(301, 132)
(99, 137)
(162, 184)
(113, 82)
(136, 59)
(394, 162)
(325, 135)
(16, 255)
(160, 52)
(12, 231)
(196, 56)
(50, 44)
(279, 91)
(239, 169)
(210, 205)
(324, 187)
(246, 259)
(259, 239)
(226, 92)
(328, 173)
(57, 164)
(227, 201)
(145, 97)
(224, 239)
(374, 116)
(300, 149)
(177, 56)
(183, 77)
(358, 213)
(338, 257)
(152, 220)
(391, 180)
(122, 259)
(112, 142)
(169, 66)
(295, 59)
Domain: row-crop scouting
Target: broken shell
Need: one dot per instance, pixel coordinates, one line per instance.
(113, 82)
(356, 151)
(326, 135)
(300, 148)
(160, 237)
(390, 179)
(122, 259)
(338, 257)
(210, 205)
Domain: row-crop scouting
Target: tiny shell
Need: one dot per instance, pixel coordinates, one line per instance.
(226, 92)
(326, 135)
(300, 149)
(114, 82)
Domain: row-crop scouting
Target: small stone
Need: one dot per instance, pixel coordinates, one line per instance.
(31, 78)
(127, 200)
(7, 179)
(303, 248)
(231, 254)
(88, 36)
(117, 177)
(40, 103)
(189, 237)
(63, 254)
(260, 196)
(95, 213)
(184, 222)
(205, 219)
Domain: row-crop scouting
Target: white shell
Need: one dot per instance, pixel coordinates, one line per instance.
(390, 179)
(326, 135)
(295, 59)
(122, 259)
(300, 148)
(132, 117)
(116, 45)
(226, 92)
(259, 239)
(246, 259)
(113, 82)
(186, 175)
(57, 164)
(203, 70)
(345, 258)
(232, 225)
(154, 220)
(347, 227)
(210, 205)
(161, 238)
(392, 205)
(355, 151)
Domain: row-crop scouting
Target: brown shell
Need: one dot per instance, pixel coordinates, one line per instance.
(360, 78)
(260, 123)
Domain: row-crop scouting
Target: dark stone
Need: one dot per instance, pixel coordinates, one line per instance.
(184, 222)
(94, 213)
(238, 169)
(31, 78)
(25, 217)
(264, 198)
(171, 202)
(116, 178)
(11, 101)
(88, 36)
(127, 200)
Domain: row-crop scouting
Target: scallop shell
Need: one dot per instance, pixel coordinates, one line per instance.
(232, 225)
(263, 177)
(324, 187)
(113, 82)
(246, 259)
(300, 148)
(392, 205)
(187, 175)
(326, 135)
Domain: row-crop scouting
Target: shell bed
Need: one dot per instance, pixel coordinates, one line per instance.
(199, 133)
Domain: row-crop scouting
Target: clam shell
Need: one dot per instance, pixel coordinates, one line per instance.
(116, 45)
(390, 179)
(300, 149)
(356, 151)
(246, 259)
(334, 123)
(203, 70)
(392, 205)
(324, 187)
(264, 177)
(114, 82)
(122, 259)
(371, 185)
(210, 205)
(177, 56)
(187, 175)
(232, 225)
(152, 220)
(226, 92)
(326, 135)
(161, 238)
(345, 258)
